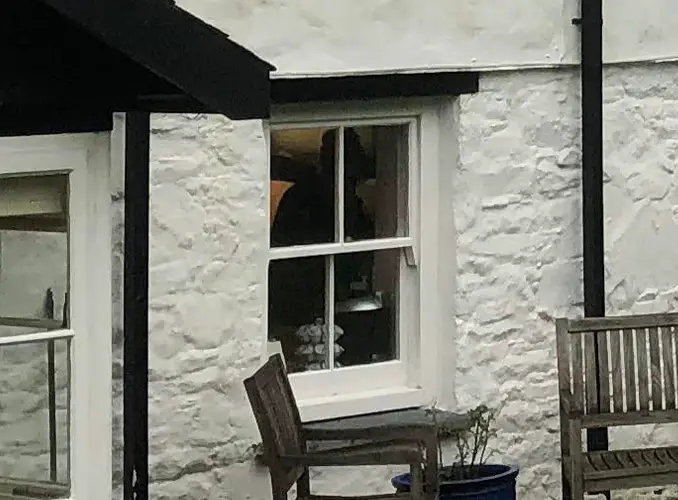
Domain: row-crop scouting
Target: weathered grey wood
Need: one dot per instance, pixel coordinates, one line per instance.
(630, 370)
(590, 382)
(668, 358)
(629, 418)
(646, 364)
(618, 322)
(617, 369)
(575, 460)
(285, 439)
(577, 373)
(383, 425)
(643, 377)
(655, 370)
(565, 389)
(603, 372)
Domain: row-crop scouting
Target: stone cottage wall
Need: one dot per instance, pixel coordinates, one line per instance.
(517, 205)
(517, 215)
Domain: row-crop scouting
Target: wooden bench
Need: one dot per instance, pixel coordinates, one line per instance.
(616, 371)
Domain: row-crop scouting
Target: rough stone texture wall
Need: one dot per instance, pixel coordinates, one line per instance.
(518, 206)
(208, 228)
(517, 212)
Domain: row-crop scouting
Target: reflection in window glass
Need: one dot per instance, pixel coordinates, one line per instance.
(34, 375)
(365, 287)
(33, 251)
(34, 434)
(296, 311)
(302, 187)
(375, 182)
(366, 307)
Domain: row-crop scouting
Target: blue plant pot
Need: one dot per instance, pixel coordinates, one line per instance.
(495, 482)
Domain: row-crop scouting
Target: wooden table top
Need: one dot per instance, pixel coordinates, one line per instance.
(412, 419)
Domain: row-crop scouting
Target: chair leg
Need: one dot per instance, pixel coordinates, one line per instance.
(417, 484)
(576, 483)
(277, 493)
(304, 485)
(567, 481)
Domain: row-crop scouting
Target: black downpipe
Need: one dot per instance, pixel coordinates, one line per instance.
(591, 26)
(135, 307)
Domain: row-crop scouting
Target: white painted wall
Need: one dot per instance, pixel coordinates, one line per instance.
(516, 208)
(517, 204)
(324, 35)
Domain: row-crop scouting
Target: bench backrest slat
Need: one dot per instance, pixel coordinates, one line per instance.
(622, 364)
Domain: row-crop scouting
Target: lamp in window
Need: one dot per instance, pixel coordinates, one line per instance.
(366, 303)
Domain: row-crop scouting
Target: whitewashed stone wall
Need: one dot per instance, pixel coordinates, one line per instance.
(518, 207)
(517, 214)
(517, 211)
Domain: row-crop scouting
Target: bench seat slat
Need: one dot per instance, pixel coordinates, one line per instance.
(627, 463)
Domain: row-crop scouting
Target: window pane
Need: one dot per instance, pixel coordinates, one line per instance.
(303, 194)
(296, 308)
(33, 252)
(375, 182)
(34, 416)
(366, 306)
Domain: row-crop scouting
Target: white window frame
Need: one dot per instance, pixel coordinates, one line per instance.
(416, 378)
(86, 157)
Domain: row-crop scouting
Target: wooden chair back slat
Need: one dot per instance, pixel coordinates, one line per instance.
(630, 370)
(655, 370)
(669, 357)
(603, 373)
(617, 368)
(619, 365)
(278, 420)
(590, 373)
(575, 342)
(643, 378)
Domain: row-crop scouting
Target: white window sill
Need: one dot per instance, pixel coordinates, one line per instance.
(360, 403)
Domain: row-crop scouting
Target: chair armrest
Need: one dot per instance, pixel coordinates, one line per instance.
(396, 452)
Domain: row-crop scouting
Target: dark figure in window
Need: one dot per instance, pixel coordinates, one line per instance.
(306, 215)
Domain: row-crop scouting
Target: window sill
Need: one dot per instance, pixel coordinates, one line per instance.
(360, 403)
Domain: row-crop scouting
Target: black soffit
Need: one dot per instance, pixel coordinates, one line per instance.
(124, 55)
(373, 85)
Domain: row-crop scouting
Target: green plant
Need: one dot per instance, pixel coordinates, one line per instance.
(471, 444)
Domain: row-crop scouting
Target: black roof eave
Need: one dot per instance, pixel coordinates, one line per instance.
(180, 48)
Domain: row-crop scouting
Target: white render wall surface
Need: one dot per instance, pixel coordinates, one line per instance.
(517, 210)
(326, 35)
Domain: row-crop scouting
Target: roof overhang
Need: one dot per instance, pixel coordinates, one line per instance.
(82, 56)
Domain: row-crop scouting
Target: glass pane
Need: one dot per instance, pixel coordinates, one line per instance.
(303, 183)
(34, 418)
(33, 252)
(296, 308)
(366, 306)
(375, 182)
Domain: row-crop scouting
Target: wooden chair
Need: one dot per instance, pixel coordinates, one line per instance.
(616, 371)
(285, 445)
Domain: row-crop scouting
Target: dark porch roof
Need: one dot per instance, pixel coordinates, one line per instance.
(97, 56)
